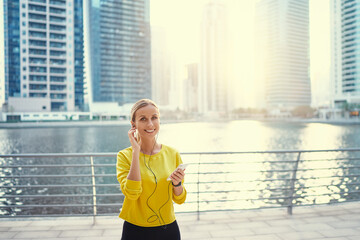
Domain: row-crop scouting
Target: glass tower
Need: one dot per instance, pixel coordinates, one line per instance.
(119, 42)
(345, 49)
(44, 53)
(282, 52)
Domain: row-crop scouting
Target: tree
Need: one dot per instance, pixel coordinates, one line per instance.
(303, 111)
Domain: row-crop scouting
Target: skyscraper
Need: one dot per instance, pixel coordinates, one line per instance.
(214, 81)
(282, 52)
(191, 88)
(345, 52)
(119, 51)
(43, 55)
(160, 66)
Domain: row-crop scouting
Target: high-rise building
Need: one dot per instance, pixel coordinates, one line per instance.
(42, 55)
(214, 80)
(191, 88)
(119, 51)
(282, 53)
(160, 66)
(345, 52)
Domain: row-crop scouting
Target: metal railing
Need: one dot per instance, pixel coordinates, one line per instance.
(85, 184)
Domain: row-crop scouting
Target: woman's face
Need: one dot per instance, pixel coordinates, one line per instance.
(147, 121)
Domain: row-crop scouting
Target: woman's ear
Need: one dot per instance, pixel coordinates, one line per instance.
(133, 124)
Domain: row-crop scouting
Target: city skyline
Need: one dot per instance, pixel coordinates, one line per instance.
(184, 45)
(184, 42)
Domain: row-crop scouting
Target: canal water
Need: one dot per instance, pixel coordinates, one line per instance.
(241, 179)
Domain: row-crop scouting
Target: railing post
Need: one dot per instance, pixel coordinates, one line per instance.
(292, 185)
(93, 188)
(198, 189)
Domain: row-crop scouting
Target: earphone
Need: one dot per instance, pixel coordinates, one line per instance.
(155, 216)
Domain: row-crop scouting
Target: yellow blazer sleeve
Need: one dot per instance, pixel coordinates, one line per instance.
(182, 197)
(131, 189)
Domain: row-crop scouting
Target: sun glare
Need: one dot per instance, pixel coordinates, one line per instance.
(181, 20)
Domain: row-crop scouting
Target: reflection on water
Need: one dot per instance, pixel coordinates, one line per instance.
(227, 181)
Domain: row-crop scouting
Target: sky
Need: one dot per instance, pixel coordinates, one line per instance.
(181, 20)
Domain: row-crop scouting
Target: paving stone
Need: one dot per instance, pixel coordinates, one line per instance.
(30, 228)
(14, 223)
(207, 227)
(300, 235)
(195, 235)
(345, 224)
(37, 234)
(7, 235)
(112, 232)
(356, 237)
(259, 237)
(237, 225)
(98, 238)
(286, 222)
(340, 232)
(312, 227)
(323, 219)
(316, 222)
(231, 233)
(81, 233)
(267, 230)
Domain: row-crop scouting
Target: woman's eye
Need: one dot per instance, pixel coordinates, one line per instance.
(142, 119)
(154, 118)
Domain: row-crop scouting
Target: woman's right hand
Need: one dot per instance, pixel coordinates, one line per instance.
(134, 143)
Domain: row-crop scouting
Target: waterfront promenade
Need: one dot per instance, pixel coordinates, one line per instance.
(338, 221)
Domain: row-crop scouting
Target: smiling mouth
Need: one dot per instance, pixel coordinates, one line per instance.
(150, 131)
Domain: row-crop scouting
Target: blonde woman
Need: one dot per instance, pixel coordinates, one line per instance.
(142, 171)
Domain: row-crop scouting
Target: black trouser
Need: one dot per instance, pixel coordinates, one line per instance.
(166, 232)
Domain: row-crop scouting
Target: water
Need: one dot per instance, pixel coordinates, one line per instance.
(187, 137)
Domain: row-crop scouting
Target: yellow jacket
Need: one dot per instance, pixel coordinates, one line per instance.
(146, 203)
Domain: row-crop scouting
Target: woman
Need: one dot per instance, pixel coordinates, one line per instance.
(142, 171)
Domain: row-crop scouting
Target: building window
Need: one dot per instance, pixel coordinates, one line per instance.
(24, 59)
(24, 86)
(24, 50)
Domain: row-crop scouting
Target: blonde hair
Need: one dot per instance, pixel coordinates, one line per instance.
(140, 104)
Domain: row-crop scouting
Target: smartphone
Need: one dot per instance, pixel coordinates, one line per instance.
(181, 166)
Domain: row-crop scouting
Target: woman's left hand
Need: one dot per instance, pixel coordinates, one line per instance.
(177, 176)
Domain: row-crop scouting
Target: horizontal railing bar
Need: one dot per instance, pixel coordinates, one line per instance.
(58, 175)
(63, 205)
(61, 195)
(335, 185)
(59, 186)
(185, 153)
(274, 151)
(202, 163)
(328, 194)
(57, 155)
(191, 173)
(246, 199)
(50, 205)
(57, 166)
(47, 215)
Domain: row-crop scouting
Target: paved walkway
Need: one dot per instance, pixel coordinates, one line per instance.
(340, 221)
